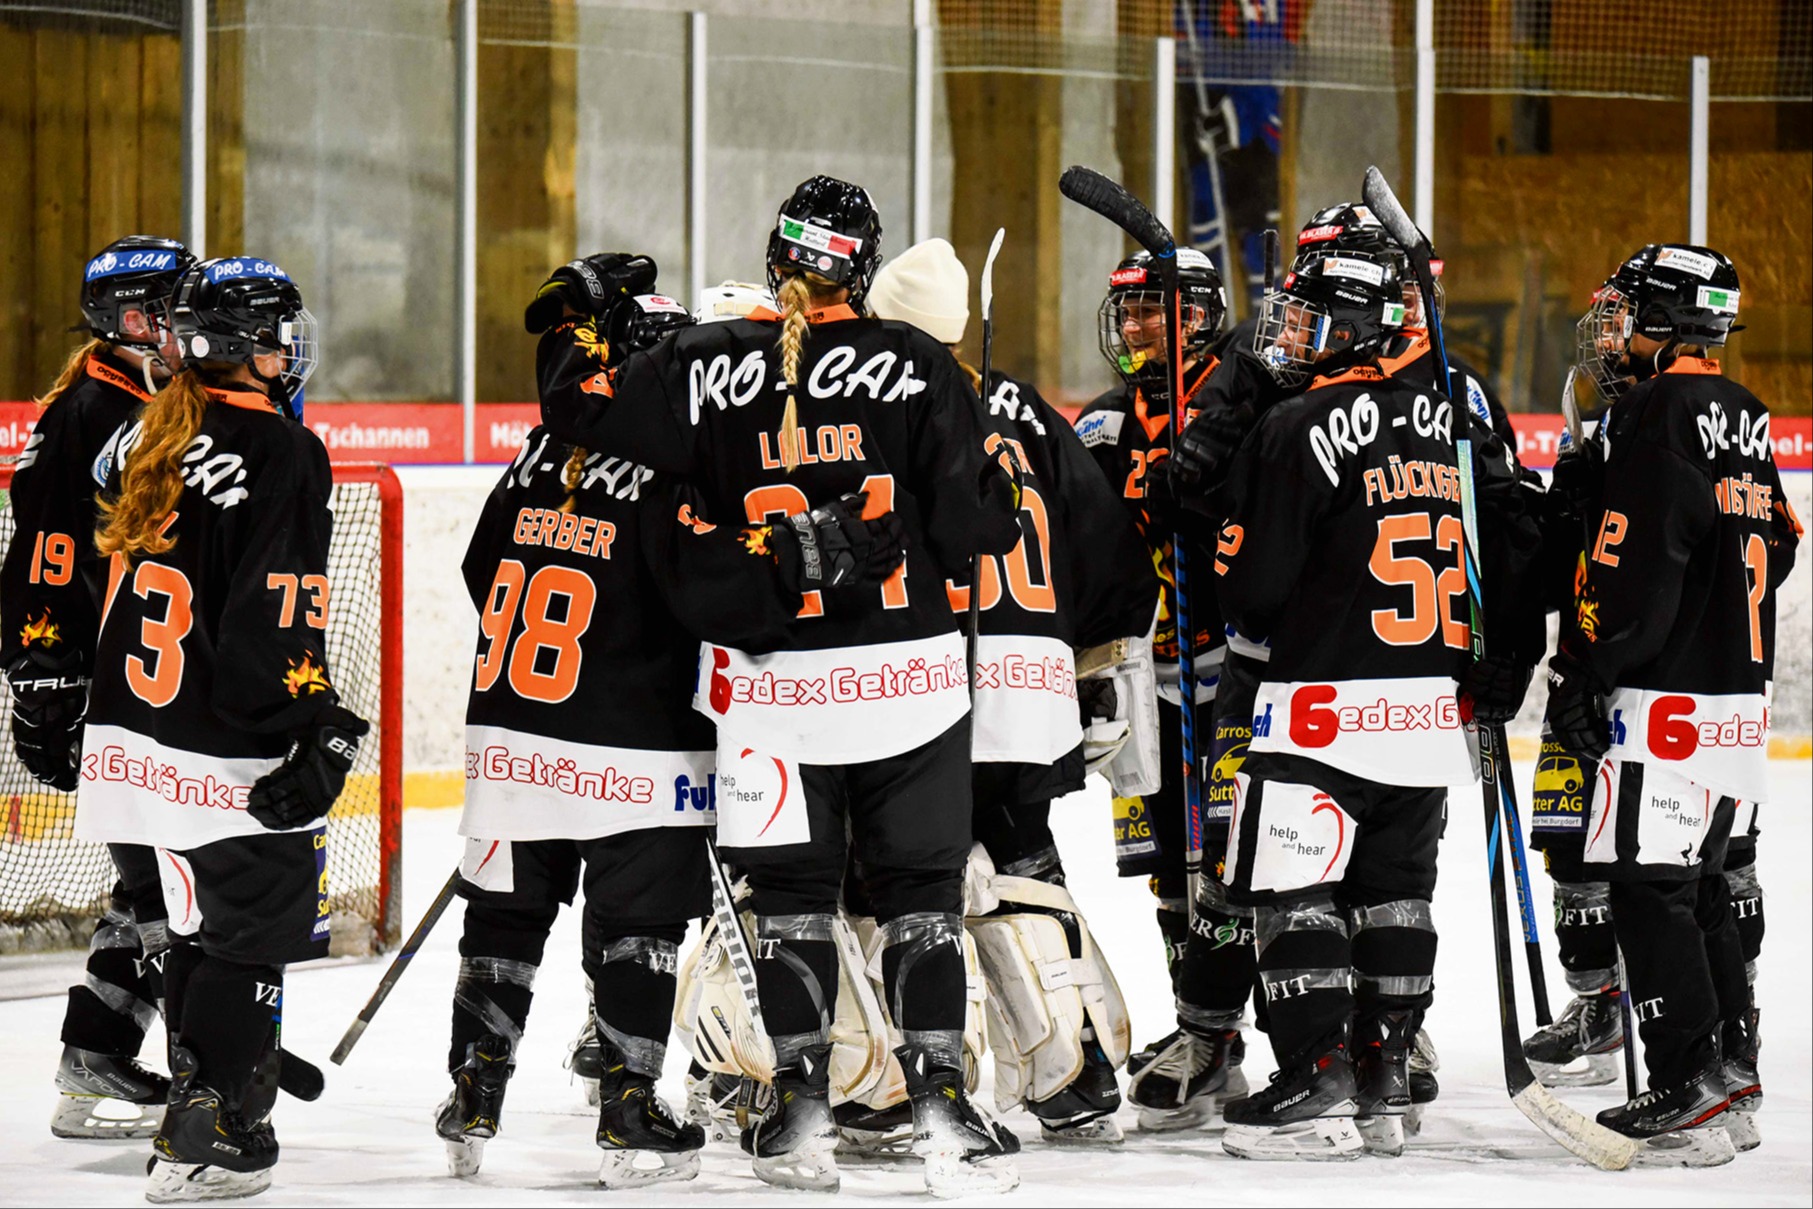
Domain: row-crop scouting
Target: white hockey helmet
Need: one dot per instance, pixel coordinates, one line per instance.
(731, 300)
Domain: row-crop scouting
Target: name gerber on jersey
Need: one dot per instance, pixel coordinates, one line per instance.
(564, 531)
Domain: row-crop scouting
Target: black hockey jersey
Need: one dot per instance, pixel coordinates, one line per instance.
(865, 672)
(46, 596)
(213, 652)
(1077, 578)
(580, 720)
(1677, 609)
(1344, 548)
(1127, 432)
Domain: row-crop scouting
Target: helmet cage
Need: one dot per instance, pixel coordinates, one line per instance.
(1297, 334)
(1602, 339)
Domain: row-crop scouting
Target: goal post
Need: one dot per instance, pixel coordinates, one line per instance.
(53, 886)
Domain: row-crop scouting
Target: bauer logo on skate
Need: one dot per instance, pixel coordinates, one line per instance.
(1376, 729)
(530, 787)
(1717, 740)
(863, 703)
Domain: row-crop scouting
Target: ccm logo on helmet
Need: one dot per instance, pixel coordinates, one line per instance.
(1314, 724)
(1673, 735)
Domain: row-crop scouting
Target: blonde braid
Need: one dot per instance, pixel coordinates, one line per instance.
(571, 475)
(72, 369)
(795, 297)
(152, 483)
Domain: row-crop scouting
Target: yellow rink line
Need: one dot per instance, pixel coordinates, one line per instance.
(440, 789)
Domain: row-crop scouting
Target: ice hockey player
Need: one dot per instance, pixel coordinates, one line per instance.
(1347, 492)
(859, 722)
(215, 519)
(1079, 578)
(585, 573)
(1665, 681)
(1128, 432)
(48, 621)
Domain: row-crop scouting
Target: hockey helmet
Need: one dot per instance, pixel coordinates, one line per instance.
(1351, 227)
(828, 227)
(731, 300)
(233, 308)
(1680, 293)
(137, 273)
(1337, 310)
(1131, 320)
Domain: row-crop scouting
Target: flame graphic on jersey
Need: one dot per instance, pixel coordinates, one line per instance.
(43, 631)
(587, 340)
(306, 677)
(1586, 619)
(756, 540)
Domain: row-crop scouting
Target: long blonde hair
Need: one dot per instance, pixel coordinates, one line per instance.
(570, 476)
(800, 293)
(72, 369)
(152, 481)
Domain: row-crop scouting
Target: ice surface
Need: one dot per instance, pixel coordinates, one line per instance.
(370, 1140)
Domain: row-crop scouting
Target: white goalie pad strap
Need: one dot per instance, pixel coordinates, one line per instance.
(1090, 973)
(711, 1017)
(1035, 1011)
(1137, 767)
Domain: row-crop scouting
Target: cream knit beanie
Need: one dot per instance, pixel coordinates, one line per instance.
(926, 286)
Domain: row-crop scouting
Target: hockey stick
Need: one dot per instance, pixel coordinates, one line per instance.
(1090, 189)
(736, 946)
(1598, 1145)
(1271, 259)
(1220, 234)
(398, 964)
(988, 348)
(1628, 1023)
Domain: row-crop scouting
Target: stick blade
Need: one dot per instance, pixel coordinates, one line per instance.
(988, 272)
(1389, 210)
(1603, 1148)
(1089, 188)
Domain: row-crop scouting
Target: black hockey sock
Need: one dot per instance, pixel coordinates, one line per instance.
(1305, 963)
(1174, 928)
(1219, 965)
(925, 980)
(1583, 936)
(1393, 956)
(229, 1012)
(796, 979)
(1746, 903)
(1724, 946)
(1671, 986)
(111, 1009)
(180, 962)
(633, 982)
(1018, 839)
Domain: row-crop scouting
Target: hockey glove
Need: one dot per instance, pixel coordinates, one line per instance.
(50, 701)
(308, 782)
(1495, 686)
(590, 287)
(1576, 710)
(833, 546)
(1207, 448)
(1579, 478)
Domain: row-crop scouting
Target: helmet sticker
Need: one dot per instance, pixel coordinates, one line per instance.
(1357, 270)
(659, 304)
(160, 260)
(1318, 234)
(226, 270)
(1687, 261)
(1130, 276)
(1722, 301)
(819, 239)
(1193, 258)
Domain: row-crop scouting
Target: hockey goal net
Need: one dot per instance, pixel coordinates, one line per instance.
(53, 886)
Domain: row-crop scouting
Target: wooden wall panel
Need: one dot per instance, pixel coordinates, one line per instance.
(17, 263)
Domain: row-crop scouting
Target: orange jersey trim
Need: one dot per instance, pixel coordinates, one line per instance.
(1692, 365)
(251, 400)
(824, 314)
(102, 372)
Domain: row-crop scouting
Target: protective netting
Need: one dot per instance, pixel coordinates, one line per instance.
(111, 16)
(52, 886)
(1761, 50)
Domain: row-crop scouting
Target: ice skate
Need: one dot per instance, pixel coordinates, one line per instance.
(205, 1150)
(107, 1096)
(1580, 1048)
(1382, 1081)
(874, 1133)
(1187, 1084)
(723, 1105)
(642, 1142)
(470, 1115)
(1306, 1112)
(1742, 1083)
(1082, 1114)
(1424, 1088)
(584, 1059)
(963, 1150)
(1141, 1058)
(1681, 1126)
(794, 1145)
